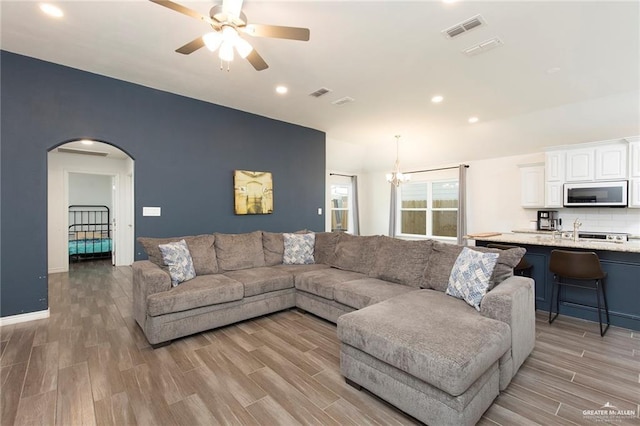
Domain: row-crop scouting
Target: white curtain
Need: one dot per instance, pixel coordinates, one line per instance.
(356, 211)
(393, 210)
(462, 204)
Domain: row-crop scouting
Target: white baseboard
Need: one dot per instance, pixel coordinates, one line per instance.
(29, 316)
(57, 270)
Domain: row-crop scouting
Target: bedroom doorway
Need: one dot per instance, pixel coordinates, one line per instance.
(90, 204)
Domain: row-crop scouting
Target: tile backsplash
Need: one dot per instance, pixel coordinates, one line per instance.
(602, 219)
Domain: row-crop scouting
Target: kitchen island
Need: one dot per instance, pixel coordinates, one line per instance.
(621, 261)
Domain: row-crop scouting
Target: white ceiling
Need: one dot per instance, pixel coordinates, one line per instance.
(390, 56)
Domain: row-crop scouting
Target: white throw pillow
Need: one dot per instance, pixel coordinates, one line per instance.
(469, 279)
(178, 258)
(298, 249)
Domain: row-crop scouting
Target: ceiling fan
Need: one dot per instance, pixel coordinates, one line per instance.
(228, 23)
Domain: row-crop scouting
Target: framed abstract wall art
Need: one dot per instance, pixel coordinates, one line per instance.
(253, 192)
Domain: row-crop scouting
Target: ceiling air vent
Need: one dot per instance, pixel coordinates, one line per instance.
(320, 92)
(83, 152)
(483, 47)
(463, 27)
(343, 101)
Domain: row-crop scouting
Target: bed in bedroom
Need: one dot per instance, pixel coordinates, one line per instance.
(89, 232)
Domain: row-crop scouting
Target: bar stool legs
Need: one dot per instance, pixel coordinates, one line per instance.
(600, 287)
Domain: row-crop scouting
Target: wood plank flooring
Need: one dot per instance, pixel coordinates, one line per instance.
(89, 364)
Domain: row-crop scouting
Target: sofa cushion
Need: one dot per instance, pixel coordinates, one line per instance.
(436, 338)
(239, 251)
(201, 291)
(273, 246)
(296, 270)
(177, 258)
(298, 249)
(470, 276)
(401, 261)
(262, 280)
(355, 253)
(443, 257)
(201, 248)
(321, 282)
(361, 293)
(325, 249)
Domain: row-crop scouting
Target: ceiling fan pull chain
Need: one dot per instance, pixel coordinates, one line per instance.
(222, 65)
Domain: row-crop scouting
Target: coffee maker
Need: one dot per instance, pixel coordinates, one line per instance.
(547, 220)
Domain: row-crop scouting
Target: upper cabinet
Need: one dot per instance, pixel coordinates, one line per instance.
(554, 166)
(580, 165)
(634, 172)
(532, 185)
(606, 161)
(634, 157)
(611, 161)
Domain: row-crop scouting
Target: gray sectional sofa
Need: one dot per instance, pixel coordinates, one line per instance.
(403, 338)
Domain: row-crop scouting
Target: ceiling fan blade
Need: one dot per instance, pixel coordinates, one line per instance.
(256, 60)
(232, 7)
(192, 46)
(185, 11)
(275, 31)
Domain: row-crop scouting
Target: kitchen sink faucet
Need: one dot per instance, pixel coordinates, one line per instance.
(576, 226)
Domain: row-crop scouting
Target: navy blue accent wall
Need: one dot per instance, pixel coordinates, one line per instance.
(185, 152)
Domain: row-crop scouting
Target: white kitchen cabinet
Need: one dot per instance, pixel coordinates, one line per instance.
(532, 185)
(580, 164)
(601, 162)
(634, 193)
(634, 159)
(553, 194)
(611, 162)
(554, 166)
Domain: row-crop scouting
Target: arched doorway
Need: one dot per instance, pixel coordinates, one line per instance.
(94, 175)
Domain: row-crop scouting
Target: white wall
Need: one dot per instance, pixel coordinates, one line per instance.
(90, 189)
(60, 166)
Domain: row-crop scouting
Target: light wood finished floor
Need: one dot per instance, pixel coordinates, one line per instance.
(90, 364)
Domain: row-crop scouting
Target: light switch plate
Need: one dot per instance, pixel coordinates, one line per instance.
(319, 211)
(151, 211)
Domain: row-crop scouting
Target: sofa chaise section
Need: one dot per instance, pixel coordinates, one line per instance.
(439, 364)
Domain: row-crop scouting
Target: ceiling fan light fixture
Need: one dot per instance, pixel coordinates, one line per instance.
(226, 51)
(243, 47)
(212, 40)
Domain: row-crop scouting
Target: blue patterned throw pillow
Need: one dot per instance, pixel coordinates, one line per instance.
(469, 279)
(298, 249)
(177, 257)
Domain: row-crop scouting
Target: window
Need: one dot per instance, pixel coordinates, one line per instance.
(340, 206)
(428, 208)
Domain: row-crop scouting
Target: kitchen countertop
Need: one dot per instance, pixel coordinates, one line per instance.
(544, 238)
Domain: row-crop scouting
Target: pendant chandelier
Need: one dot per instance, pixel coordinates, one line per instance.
(396, 177)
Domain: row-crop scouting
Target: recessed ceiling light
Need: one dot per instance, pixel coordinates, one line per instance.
(449, 1)
(473, 120)
(86, 142)
(437, 99)
(51, 10)
(553, 70)
(281, 90)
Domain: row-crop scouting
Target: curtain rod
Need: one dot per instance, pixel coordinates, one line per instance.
(437, 170)
(338, 174)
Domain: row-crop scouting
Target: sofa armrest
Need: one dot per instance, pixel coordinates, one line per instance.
(148, 278)
(512, 301)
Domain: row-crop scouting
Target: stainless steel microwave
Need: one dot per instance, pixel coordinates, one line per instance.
(596, 194)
